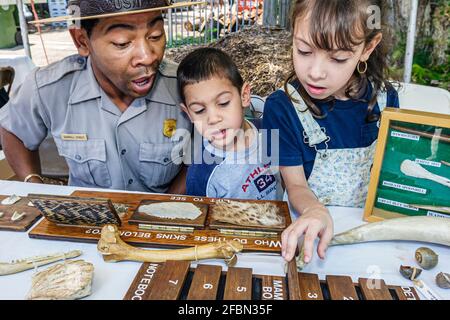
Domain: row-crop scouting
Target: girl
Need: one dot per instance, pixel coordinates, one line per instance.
(327, 114)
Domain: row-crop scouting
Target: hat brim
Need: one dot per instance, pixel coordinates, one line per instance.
(108, 15)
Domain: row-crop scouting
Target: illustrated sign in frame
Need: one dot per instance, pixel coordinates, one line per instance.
(411, 170)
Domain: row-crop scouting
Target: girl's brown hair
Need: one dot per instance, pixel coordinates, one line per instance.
(344, 24)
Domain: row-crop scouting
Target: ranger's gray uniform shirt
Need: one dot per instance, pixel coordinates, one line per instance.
(103, 147)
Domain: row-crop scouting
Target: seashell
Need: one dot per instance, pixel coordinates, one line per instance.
(64, 281)
(30, 204)
(18, 216)
(426, 258)
(2, 214)
(443, 280)
(10, 200)
(410, 273)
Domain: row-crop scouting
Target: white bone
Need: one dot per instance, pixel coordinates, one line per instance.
(18, 216)
(20, 265)
(114, 249)
(413, 169)
(420, 228)
(10, 200)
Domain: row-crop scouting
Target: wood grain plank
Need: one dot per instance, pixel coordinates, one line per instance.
(274, 288)
(140, 287)
(205, 283)
(309, 286)
(238, 285)
(405, 293)
(138, 237)
(168, 283)
(32, 215)
(341, 288)
(293, 283)
(374, 289)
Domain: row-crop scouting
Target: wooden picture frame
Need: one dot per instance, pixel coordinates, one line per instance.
(76, 211)
(411, 170)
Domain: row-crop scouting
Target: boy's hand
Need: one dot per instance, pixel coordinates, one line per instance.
(313, 223)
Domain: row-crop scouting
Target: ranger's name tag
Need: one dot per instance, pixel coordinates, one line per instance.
(74, 137)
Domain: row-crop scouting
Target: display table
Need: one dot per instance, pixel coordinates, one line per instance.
(112, 280)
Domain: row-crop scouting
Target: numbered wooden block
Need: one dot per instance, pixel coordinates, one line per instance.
(374, 289)
(205, 283)
(292, 279)
(238, 285)
(141, 285)
(273, 288)
(309, 286)
(167, 284)
(341, 288)
(406, 293)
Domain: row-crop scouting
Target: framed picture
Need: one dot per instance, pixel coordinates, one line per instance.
(411, 169)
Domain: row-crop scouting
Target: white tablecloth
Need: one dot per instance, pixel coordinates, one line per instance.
(22, 65)
(112, 280)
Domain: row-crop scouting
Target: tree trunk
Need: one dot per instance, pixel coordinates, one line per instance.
(441, 34)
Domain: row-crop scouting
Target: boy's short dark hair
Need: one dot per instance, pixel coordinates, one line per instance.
(203, 64)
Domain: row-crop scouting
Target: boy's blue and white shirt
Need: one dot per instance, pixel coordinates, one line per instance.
(236, 175)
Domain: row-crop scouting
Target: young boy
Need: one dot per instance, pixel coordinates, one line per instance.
(227, 164)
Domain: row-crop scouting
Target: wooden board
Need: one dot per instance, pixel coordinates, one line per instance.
(140, 287)
(341, 288)
(174, 280)
(205, 283)
(309, 286)
(273, 288)
(148, 238)
(374, 289)
(239, 284)
(32, 215)
(405, 293)
(293, 281)
(167, 285)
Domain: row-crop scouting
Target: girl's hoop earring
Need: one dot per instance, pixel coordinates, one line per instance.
(359, 67)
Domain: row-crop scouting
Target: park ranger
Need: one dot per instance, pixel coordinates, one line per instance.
(113, 109)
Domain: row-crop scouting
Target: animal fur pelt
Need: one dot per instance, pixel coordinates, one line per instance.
(248, 214)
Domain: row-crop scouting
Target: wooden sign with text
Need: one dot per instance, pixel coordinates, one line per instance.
(141, 236)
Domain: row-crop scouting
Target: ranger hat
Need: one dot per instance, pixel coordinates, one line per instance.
(96, 9)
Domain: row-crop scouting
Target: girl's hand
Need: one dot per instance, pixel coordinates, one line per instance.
(314, 223)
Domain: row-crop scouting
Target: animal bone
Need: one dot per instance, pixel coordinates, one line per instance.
(10, 200)
(17, 266)
(18, 216)
(114, 249)
(419, 228)
(64, 281)
(413, 169)
(248, 214)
